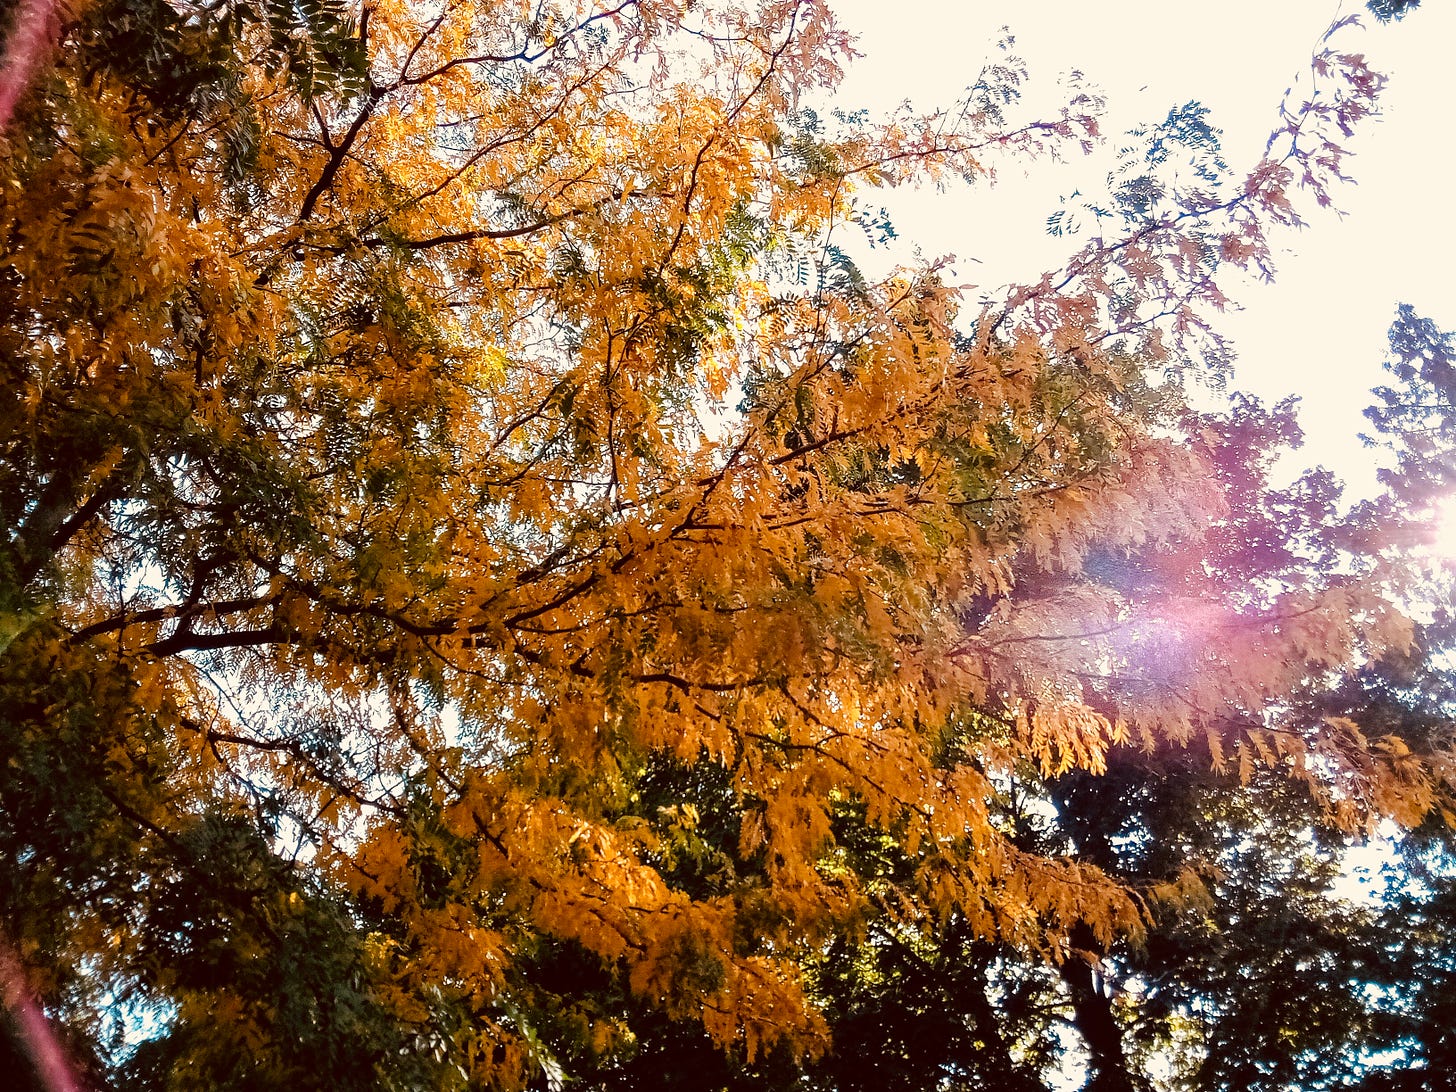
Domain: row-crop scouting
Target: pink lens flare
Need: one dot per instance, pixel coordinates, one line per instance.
(36, 24)
(31, 1027)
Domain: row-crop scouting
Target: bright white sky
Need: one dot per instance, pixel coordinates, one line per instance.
(1320, 331)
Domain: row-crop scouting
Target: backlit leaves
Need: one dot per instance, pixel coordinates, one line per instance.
(472, 529)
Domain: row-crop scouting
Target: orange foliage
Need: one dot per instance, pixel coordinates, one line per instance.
(503, 425)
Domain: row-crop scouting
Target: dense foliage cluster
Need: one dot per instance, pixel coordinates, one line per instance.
(492, 596)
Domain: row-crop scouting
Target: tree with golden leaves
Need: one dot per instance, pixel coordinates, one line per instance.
(472, 536)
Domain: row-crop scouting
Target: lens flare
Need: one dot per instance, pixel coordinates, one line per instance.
(1443, 527)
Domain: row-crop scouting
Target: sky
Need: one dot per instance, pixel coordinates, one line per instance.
(1318, 332)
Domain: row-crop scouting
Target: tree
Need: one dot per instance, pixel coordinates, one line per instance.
(1386, 10)
(1413, 696)
(483, 567)
(1257, 968)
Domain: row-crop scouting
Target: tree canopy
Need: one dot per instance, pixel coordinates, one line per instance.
(491, 594)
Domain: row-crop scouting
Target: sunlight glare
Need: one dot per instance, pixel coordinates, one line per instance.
(1443, 520)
